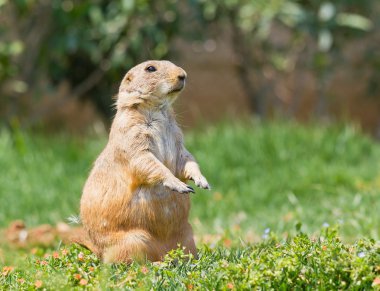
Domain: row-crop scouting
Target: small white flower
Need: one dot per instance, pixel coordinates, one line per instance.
(361, 254)
(266, 233)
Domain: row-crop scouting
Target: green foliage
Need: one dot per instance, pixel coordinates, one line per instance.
(114, 34)
(7, 52)
(282, 36)
(91, 44)
(323, 21)
(299, 262)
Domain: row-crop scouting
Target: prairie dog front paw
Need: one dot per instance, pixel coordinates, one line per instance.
(178, 186)
(201, 182)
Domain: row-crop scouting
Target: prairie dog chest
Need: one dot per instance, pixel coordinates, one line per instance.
(162, 130)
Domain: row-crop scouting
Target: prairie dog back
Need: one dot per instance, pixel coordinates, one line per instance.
(135, 203)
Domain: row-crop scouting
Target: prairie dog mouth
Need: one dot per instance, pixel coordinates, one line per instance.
(178, 87)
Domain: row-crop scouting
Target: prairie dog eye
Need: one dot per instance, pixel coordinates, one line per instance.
(150, 69)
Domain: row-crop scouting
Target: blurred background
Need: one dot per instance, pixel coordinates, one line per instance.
(61, 61)
(278, 96)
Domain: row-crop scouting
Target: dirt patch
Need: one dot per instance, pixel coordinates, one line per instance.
(19, 236)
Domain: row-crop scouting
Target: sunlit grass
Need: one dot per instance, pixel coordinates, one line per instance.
(262, 175)
(275, 175)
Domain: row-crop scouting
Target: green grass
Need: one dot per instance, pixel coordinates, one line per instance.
(265, 176)
(307, 264)
(275, 175)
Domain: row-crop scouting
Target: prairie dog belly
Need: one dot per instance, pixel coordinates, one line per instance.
(160, 210)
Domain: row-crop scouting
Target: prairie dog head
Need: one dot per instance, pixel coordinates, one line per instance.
(151, 84)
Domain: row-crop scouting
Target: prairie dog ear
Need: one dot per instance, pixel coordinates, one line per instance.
(128, 99)
(126, 80)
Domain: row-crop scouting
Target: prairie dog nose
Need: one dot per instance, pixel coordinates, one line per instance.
(182, 77)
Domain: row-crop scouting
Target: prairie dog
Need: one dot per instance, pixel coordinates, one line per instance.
(135, 203)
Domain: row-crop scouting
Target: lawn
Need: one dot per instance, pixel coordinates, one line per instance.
(279, 191)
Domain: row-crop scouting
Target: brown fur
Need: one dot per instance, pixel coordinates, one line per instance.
(135, 203)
